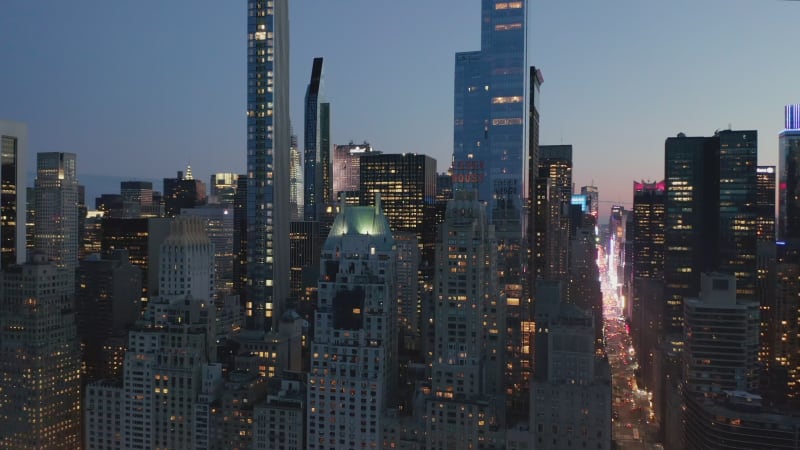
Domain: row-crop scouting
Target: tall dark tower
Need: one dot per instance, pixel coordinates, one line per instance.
(710, 216)
(553, 197)
(267, 162)
(648, 267)
(13, 149)
(536, 81)
(765, 203)
(789, 165)
(312, 173)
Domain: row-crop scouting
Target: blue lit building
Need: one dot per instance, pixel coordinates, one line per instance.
(267, 161)
(489, 111)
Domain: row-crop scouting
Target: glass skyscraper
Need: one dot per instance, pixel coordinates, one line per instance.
(489, 111)
(789, 166)
(267, 161)
(311, 150)
(13, 147)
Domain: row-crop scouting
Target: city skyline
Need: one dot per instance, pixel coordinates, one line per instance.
(167, 89)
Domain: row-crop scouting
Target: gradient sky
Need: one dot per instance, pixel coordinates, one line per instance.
(139, 89)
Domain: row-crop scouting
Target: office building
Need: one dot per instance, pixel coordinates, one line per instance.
(783, 317)
(710, 217)
(489, 108)
(646, 300)
(296, 184)
(240, 239)
(593, 198)
(467, 392)
(407, 187)
(765, 203)
(141, 238)
(40, 361)
(13, 154)
(551, 221)
(56, 205)
(137, 200)
(789, 179)
(346, 170)
(267, 162)
(312, 170)
(170, 359)
(107, 303)
(183, 192)
(571, 390)
(218, 221)
(354, 353)
(223, 188)
(408, 284)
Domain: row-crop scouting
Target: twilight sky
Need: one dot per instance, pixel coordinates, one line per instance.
(138, 89)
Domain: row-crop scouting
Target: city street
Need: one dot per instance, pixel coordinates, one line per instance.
(632, 425)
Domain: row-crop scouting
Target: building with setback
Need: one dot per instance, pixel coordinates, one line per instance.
(183, 192)
(354, 366)
(40, 360)
(56, 204)
(467, 402)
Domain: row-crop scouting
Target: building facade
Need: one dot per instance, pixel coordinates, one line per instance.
(40, 360)
(13, 154)
(354, 364)
(56, 205)
(267, 162)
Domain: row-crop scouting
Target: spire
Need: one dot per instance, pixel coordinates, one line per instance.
(188, 173)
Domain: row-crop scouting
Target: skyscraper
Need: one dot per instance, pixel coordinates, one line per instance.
(347, 169)
(354, 365)
(789, 166)
(312, 174)
(593, 195)
(267, 161)
(40, 359)
(467, 385)
(765, 203)
(56, 205)
(554, 186)
(223, 188)
(183, 192)
(13, 153)
(489, 106)
(296, 184)
(407, 185)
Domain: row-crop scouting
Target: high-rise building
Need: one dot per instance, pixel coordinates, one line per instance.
(325, 154)
(107, 303)
(141, 238)
(408, 299)
(296, 185)
(783, 317)
(347, 169)
(354, 364)
(240, 239)
(56, 205)
(183, 192)
(223, 188)
(571, 390)
(490, 111)
(648, 268)
(467, 392)
(789, 181)
(40, 361)
(13, 153)
(312, 173)
(765, 203)
(551, 209)
(267, 162)
(167, 363)
(218, 221)
(710, 217)
(593, 198)
(279, 422)
(407, 186)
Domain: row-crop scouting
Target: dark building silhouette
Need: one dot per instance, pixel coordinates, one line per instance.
(183, 191)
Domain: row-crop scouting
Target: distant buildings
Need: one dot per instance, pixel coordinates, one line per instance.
(347, 170)
(183, 192)
(223, 188)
